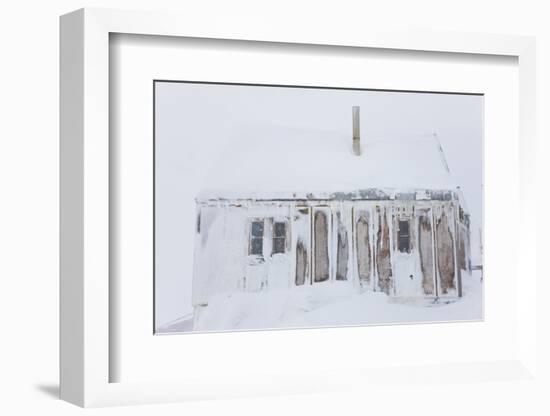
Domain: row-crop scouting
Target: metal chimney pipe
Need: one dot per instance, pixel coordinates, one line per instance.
(356, 133)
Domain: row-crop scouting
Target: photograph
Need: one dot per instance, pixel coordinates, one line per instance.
(284, 207)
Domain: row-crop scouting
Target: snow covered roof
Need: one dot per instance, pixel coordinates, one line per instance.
(303, 163)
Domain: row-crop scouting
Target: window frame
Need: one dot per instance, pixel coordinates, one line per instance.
(252, 237)
(275, 237)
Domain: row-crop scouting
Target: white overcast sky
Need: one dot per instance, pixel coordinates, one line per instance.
(197, 126)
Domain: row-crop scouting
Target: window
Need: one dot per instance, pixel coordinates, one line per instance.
(279, 237)
(404, 237)
(256, 246)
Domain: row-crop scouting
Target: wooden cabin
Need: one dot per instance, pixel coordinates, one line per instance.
(390, 220)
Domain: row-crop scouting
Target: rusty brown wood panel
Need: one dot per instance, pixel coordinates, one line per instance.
(383, 257)
(320, 232)
(445, 254)
(363, 249)
(461, 249)
(342, 251)
(426, 253)
(301, 263)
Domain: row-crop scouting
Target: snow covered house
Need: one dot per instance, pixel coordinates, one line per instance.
(384, 216)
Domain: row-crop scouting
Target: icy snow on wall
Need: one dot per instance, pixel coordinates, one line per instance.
(308, 253)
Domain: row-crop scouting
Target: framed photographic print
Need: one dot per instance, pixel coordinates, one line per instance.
(246, 213)
(298, 217)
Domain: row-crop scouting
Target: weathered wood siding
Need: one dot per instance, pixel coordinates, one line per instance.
(321, 257)
(445, 253)
(342, 250)
(461, 251)
(301, 232)
(346, 241)
(464, 247)
(425, 247)
(383, 253)
(301, 263)
(363, 248)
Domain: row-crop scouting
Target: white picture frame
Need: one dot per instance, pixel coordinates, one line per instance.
(85, 203)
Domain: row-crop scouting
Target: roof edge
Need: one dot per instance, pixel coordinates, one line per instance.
(368, 194)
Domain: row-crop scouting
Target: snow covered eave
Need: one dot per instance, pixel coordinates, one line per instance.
(366, 194)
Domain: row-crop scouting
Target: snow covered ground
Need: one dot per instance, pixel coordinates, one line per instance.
(328, 304)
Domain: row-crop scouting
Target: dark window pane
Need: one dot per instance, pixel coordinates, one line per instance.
(279, 229)
(278, 245)
(257, 229)
(403, 228)
(404, 237)
(256, 246)
(404, 244)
